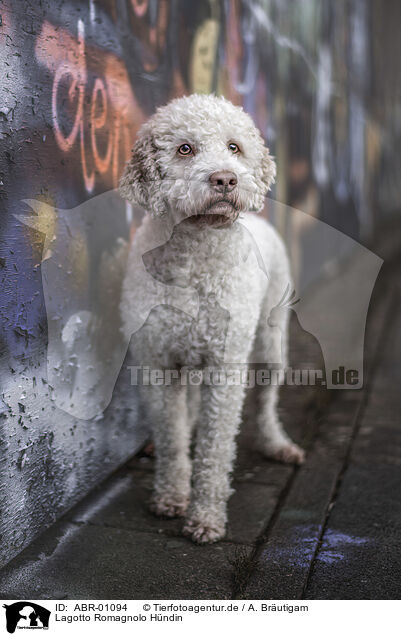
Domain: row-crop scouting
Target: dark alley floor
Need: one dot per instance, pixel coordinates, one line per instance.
(327, 530)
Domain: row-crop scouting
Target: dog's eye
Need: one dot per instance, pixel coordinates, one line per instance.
(185, 149)
(234, 148)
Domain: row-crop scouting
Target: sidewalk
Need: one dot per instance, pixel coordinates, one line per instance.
(329, 529)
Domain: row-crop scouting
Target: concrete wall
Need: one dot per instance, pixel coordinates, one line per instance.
(77, 80)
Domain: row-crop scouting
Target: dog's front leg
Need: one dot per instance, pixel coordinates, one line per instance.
(218, 425)
(167, 409)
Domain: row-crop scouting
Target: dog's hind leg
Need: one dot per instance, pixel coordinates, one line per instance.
(273, 440)
(271, 342)
(167, 410)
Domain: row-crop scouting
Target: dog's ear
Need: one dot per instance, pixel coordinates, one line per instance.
(266, 172)
(140, 173)
(268, 169)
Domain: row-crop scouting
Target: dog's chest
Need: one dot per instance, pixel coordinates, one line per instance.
(223, 270)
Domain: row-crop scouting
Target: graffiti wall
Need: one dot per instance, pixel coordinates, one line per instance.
(78, 77)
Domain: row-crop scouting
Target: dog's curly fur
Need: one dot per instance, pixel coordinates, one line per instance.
(213, 251)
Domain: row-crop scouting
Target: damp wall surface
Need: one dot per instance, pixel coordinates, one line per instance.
(77, 80)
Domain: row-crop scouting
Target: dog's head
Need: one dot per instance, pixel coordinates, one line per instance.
(200, 157)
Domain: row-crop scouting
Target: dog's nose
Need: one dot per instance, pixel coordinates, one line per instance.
(223, 181)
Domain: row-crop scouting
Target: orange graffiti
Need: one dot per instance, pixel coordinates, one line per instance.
(152, 36)
(110, 112)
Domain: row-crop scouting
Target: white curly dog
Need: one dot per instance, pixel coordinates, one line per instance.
(199, 167)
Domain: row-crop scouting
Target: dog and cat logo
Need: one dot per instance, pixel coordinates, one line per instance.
(26, 615)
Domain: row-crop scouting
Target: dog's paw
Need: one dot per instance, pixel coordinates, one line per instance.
(287, 453)
(168, 507)
(203, 533)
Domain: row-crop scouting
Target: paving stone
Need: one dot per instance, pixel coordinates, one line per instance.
(95, 562)
(122, 502)
(250, 510)
(360, 553)
(283, 563)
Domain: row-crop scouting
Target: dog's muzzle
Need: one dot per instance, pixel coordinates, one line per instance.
(222, 208)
